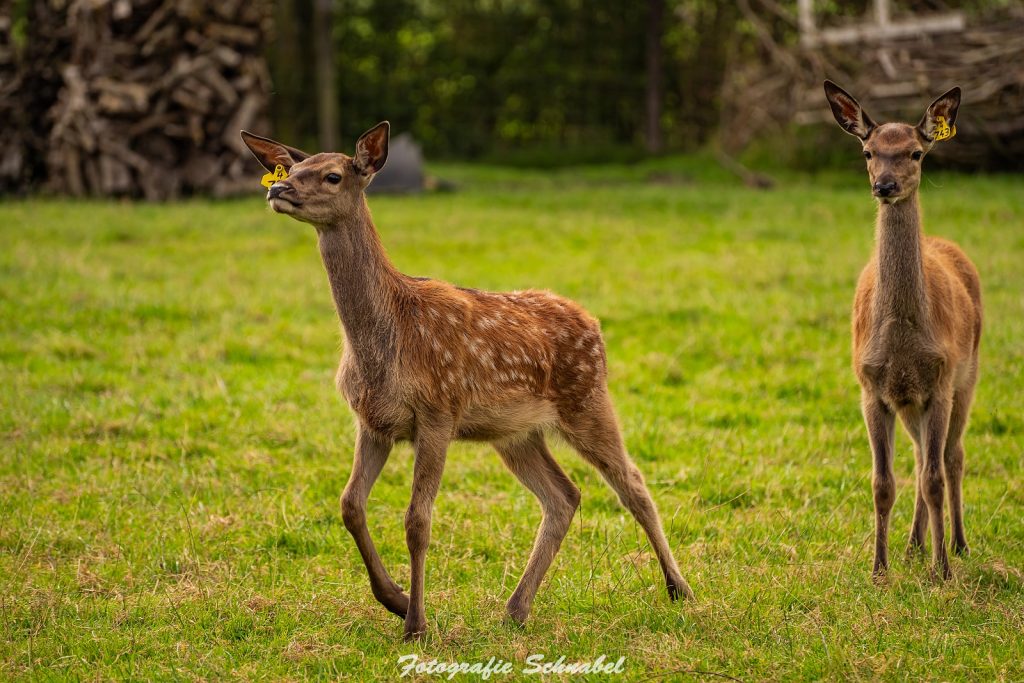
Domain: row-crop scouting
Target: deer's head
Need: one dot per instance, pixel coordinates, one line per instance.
(894, 151)
(321, 188)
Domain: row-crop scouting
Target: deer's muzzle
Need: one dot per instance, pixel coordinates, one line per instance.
(886, 189)
(285, 191)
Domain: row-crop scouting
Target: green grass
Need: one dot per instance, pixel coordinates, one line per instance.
(172, 448)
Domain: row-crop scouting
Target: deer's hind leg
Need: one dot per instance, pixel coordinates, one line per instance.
(594, 432)
(935, 422)
(953, 457)
(433, 434)
(371, 453)
(918, 527)
(531, 462)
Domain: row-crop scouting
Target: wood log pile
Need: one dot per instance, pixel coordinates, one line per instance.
(894, 80)
(28, 87)
(145, 98)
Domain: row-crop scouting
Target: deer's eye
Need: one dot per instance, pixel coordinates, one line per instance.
(333, 178)
(867, 154)
(916, 156)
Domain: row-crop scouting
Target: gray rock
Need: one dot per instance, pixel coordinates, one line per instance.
(403, 171)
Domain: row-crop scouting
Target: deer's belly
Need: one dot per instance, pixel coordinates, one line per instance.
(506, 420)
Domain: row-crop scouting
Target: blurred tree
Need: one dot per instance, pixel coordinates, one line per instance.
(290, 57)
(655, 18)
(326, 79)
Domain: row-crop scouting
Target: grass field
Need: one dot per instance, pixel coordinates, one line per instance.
(172, 448)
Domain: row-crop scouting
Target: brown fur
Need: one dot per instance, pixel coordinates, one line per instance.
(916, 331)
(429, 362)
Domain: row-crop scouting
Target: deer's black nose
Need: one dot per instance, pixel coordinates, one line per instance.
(886, 189)
(278, 189)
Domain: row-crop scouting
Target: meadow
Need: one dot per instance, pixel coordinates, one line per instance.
(172, 448)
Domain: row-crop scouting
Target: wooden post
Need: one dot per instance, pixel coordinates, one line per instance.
(882, 14)
(805, 12)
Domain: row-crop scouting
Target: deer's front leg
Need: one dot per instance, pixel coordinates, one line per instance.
(372, 452)
(431, 446)
(880, 423)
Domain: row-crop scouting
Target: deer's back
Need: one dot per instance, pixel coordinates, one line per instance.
(951, 259)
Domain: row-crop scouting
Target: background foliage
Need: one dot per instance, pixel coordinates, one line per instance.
(530, 81)
(469, 78)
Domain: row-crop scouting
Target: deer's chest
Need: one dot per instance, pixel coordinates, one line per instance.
(902, 369)
(375, 400)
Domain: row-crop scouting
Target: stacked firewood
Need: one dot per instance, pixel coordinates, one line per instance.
(12, 151)
(894, 79)
(28, 88)
(151, 95)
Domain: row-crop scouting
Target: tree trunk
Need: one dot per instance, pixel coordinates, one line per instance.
(655, 19)
(327, 90)
(286, 60)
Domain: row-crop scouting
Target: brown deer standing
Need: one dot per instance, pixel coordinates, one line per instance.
(916, 329)
(429, 362)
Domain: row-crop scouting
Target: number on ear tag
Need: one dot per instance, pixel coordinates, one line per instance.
(943, 131)
(271, 178)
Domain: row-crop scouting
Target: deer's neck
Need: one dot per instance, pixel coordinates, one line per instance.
(900, 293)
(365, 287)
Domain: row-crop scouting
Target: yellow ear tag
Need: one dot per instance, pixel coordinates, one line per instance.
(943, 131)
(271, 178)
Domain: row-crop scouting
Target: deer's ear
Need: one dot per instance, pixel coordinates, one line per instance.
(372, 149)
(848, 112)
(941, 114)
(270, 153)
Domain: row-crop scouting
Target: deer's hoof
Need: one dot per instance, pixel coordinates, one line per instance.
(515, 621)
(962, 550)
(516, 615)
(678, 588)
(414, 630)
(942, 572)
(517, 609)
